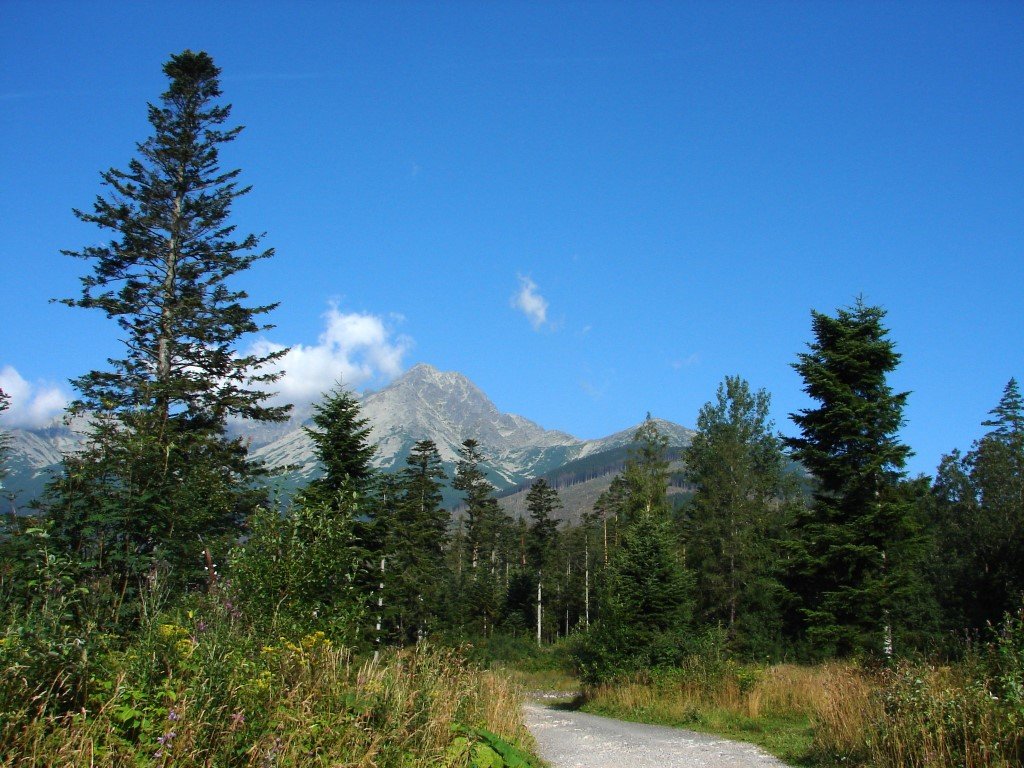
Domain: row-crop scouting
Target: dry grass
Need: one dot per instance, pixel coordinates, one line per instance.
(751, 692)
(910, 716)
(846, 707)
(768, 706)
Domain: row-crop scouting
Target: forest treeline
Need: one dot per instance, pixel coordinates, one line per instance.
(163, 511)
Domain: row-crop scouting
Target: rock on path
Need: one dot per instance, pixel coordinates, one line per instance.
(569, 739)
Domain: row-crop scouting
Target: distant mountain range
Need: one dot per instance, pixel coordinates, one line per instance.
(445, 407)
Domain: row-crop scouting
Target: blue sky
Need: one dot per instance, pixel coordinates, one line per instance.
(593, 210)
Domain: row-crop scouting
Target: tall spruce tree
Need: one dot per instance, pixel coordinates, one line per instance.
(609, 508)
(738, 516)
(542, 502)
(159, 480)
(646, 475)
(417, 544)
(482, 583)
(481, 508)
(858, 546)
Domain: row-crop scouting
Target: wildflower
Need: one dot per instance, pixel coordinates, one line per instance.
(173, 715)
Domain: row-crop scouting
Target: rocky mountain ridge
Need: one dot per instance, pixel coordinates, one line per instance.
(423, 403)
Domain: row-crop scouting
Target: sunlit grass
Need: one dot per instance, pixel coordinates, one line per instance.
(769, 707)
(201, 688)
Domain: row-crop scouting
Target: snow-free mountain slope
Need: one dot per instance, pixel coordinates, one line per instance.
(424, 403)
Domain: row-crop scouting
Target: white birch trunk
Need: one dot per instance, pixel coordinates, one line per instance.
(539, 609)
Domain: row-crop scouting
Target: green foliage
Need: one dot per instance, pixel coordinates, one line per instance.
(541, 503)
(341, 445)
(414, 547)
(858, 547)
(738, 517)
(979, 517)
(649, 591)
(159, 481)
(646, 596)
(197, 684)
(49, 643)
(484, 749)
(645, 476)
(295, 573)
(925, 714)
(480, 581)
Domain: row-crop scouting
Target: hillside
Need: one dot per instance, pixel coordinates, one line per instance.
(424, 403)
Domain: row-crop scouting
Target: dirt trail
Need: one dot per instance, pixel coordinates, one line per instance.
(569, 739)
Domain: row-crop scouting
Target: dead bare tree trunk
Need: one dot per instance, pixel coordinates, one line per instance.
(539, 609)
(380, 612)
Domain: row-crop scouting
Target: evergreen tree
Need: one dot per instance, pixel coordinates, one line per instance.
(645, 476)
(481, 508)
(858, 545)
(417, 544)
(541, 502)
(738, 516)
(980, 519)
(341, 445)
(159, 480)
(483, 583)
(651, 593)
(609, 509)
(647, 595)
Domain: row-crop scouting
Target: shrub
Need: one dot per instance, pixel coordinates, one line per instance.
(200, 685)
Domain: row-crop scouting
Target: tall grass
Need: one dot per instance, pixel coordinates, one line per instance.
(919, 715)
(913, 714)
(199, 687)
(769, 706)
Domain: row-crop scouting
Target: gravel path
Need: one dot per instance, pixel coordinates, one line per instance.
(569, 739)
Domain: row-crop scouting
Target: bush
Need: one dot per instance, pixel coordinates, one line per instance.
(48, 649)
(919, 714)
(200, 685)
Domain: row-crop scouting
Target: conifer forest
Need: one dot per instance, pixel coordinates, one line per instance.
(160, 607)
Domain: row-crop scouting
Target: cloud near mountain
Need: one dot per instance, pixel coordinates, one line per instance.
(357, 349)
(32, 404)
(422, 403)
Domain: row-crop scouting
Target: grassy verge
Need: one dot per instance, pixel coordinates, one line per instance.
(200, 687)
(910, 715)
(770, 707)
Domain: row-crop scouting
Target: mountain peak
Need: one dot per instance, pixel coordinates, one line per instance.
(424, 402)
(426, 374)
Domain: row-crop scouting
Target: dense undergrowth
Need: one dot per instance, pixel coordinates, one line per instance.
(199, 684)
(911, 713)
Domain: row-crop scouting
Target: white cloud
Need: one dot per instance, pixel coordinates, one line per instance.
(686, 362)
(32, 404)
(356, 349)
(531, 303)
